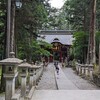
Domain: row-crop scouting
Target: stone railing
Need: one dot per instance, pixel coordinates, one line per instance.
(85, 70)
(28, 74)
(38, 71)
(34, 77)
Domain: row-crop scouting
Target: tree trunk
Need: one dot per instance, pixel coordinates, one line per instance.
(92, 32)
(2, 87)
(88, 52)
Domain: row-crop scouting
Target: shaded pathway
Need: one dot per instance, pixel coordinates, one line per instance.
(63, 83)
(82, 84)
(47, 81)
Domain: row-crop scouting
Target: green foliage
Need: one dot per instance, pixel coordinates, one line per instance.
(33, 51)
(2, 26)
(80, 45)
(98, 15)
(31, 17)
(29, 20)
(44, 44)
(97, 44)
(77, 13)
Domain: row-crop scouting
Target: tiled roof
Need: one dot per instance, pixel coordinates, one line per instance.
(52, 32)
(64, 36)
(64, 39)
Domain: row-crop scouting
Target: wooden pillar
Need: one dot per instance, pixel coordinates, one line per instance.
(60, 56)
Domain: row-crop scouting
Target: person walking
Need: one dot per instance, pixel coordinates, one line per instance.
(56, 67)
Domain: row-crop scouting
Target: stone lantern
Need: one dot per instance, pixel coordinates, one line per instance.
(91, 71)
(10, 74)
(23, 73)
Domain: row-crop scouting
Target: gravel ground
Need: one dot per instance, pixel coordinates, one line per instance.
(47, 81)
(81, 83)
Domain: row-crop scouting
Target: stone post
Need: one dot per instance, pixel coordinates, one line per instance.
(34, 77)
(37, 75)
(91, 71)
(76, 67)
(31, 81)
(83, 70)
(23, 73)
(80, 70)
(91, 74)
(23, 84)
(34, 74)
(86, 71)
(10, 86)
(31, 73)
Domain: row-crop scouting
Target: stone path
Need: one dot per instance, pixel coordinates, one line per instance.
(82, 84)
(67, 79)
(47, 81)
(76, 88)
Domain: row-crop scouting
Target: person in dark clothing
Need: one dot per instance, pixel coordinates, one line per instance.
(56, 66)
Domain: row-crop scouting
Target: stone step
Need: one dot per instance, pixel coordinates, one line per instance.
(66, 95)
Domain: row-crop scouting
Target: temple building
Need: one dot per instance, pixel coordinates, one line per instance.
(61, 41)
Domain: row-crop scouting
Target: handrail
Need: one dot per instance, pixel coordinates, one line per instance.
(85, 70)
(36, 76)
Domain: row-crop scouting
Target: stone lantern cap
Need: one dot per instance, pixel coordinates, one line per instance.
(11, 60)
(25, 64)
(82, 65)
(90, 65)
(35, 66)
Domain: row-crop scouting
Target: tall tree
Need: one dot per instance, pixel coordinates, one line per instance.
(77, 13)
(2, 38)
(29, 20)
(92, 32)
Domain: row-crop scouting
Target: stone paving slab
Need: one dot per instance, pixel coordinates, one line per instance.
(63, 83)
(66, 95)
